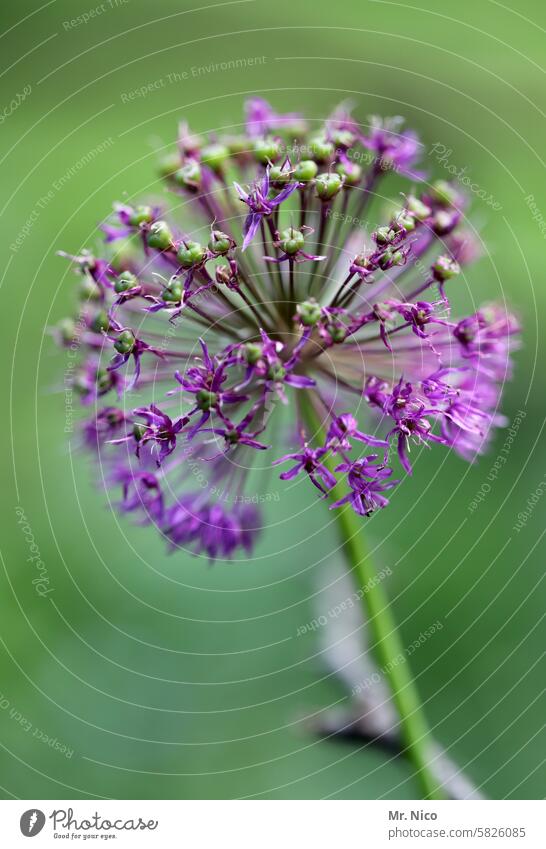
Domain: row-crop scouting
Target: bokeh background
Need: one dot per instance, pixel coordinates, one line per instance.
(153, 676)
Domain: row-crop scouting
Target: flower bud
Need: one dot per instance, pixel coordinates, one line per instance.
(279, 176)
(225, 276)
(418, 209)
(267, 150)
(104, 380)
(337, 333)
(160, 236)
(238, 145)
(276, 371)
(384, 235)
(169, 164)
(443, 193)
(343, 139)
(389, 258)
(444, 222)
(206, 400)
(253, 353)
(309, 312)
(445, 268)
(125, 281)
(292, 241)
(100, 322)
(189, 176)
(402, 221)
(362, 261)
(398, 258)
(138, 431)
(89, 290)
(67, 330)
(172, 293)
(219, 243)
(125, 342)
(141, 215)
(190, 254)
(305, 171)
(328, 186)
(215, 155)
(351, 171)
(321, 149)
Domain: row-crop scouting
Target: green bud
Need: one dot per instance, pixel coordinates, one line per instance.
(215, 155)
(103, 380)
(384, 235)
(445, 268)
(276, 371)
(100, 322)
(267, 150)
(253, 353)
(362, 261)
(125, 281)
(189, 176)
(343, 138)
(125, 342)
(397, 258)
(337, 333)
(305, 171)
(138, 431)
(418, 209)
(321, 149)
(141, 215)
(89, 290)
(443, 193)
(190, 253)
(385, 260)
(160, 236)
(67, 329)
(328, 186)
(351, 171)
(238, 144)
(279, 176)
(173, 292)
(219, 243)
(292, 241)
(169, 164)
(206, 400)
(309, 312)
(407, 222)
(443, 222)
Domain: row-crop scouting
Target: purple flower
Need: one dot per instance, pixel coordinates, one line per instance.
(309, 460)
(261, 118)
(367, 343)
(367, 480)
(157, 428)
(395, 148)
(212, 529)
(343, 429)
(260, 204)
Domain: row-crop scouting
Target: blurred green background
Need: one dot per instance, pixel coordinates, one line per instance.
(169, 679)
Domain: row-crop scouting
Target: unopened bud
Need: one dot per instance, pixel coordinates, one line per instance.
(160, 236)
(309, 312)
(190, 254)
(328, 186)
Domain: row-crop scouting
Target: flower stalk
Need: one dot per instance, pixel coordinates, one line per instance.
(377, 612)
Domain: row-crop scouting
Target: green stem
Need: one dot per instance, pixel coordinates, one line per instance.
(388, 645)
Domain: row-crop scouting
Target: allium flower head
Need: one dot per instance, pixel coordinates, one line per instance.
(203, 347)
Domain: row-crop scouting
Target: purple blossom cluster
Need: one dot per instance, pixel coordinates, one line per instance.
(202, 349)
